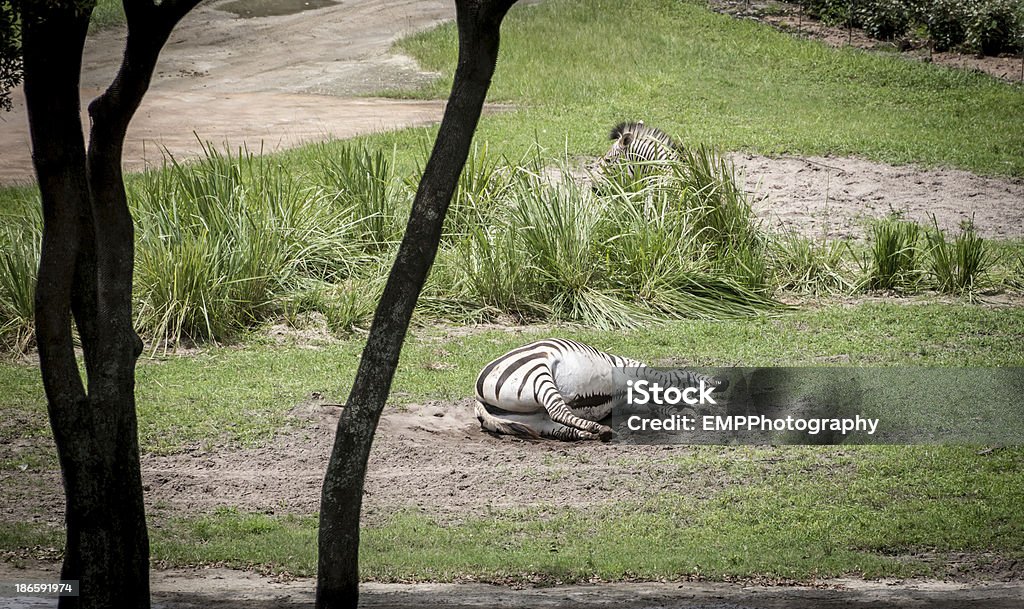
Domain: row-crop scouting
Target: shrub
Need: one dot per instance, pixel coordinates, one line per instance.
(994, 26)
(981, 26)
(884, 19)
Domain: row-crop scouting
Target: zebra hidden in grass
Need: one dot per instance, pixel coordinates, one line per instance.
(558, 389)
(636, 145)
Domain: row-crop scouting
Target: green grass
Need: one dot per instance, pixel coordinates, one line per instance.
(240, 540)
(795, 513)
(241, 395)
(577, 68)
(783, 516)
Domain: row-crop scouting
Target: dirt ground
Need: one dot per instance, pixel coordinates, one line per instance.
(479, 472)
(247, 81)
(833, 197)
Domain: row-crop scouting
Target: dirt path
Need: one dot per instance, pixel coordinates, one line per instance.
(267, 83)
(227, 589)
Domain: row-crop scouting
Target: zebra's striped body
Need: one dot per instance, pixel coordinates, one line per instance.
(558, 389)
(634, 144)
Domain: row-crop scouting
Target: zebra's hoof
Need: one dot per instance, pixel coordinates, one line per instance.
(605, 434)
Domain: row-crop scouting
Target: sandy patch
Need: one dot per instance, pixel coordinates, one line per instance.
(836, 196)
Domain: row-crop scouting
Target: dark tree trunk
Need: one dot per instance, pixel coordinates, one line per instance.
(85, 272)
(479, 24)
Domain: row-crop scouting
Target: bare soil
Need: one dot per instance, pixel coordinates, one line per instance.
(836, 197)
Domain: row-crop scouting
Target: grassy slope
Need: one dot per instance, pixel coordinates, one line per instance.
(579, 67)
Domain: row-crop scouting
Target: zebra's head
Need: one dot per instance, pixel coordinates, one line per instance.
(636, 143)
(622, 135)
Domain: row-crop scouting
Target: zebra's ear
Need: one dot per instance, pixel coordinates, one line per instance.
(626, 139)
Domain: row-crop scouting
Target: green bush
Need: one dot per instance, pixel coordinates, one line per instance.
(994, 26)
(981, 26)
(884, 19)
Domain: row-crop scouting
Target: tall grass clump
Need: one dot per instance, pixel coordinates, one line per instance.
(679, 242)
(483, 186)
(806, 266)
(1015, 277)
(961, 266)
(221, 239)
(894, 255)
(20, 242)
(365, 190)
(230, 241)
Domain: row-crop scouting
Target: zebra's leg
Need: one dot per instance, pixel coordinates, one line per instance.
(569, 434)
(501, 425)
(559, 412)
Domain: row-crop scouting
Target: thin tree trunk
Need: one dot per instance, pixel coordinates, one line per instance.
(86, 272)
(479, 24)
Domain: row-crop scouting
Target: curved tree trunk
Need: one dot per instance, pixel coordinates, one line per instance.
(85, 271)
(479, 24)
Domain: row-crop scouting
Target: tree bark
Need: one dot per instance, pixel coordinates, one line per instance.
(85, 272)
(479, 24)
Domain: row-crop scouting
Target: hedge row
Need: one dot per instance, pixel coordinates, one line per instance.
(989, 27)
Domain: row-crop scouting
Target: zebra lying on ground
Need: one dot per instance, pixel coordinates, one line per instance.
(558, 389)
(634, 143)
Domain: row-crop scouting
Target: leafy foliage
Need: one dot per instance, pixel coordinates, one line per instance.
(982, 26)
(10, 52)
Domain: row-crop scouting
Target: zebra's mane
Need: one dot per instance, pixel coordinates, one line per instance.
(639, 129)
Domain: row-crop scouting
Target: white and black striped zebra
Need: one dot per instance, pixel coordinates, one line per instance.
(559, 389)
(635, 145)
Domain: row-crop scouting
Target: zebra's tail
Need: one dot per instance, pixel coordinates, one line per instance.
(495, 424)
